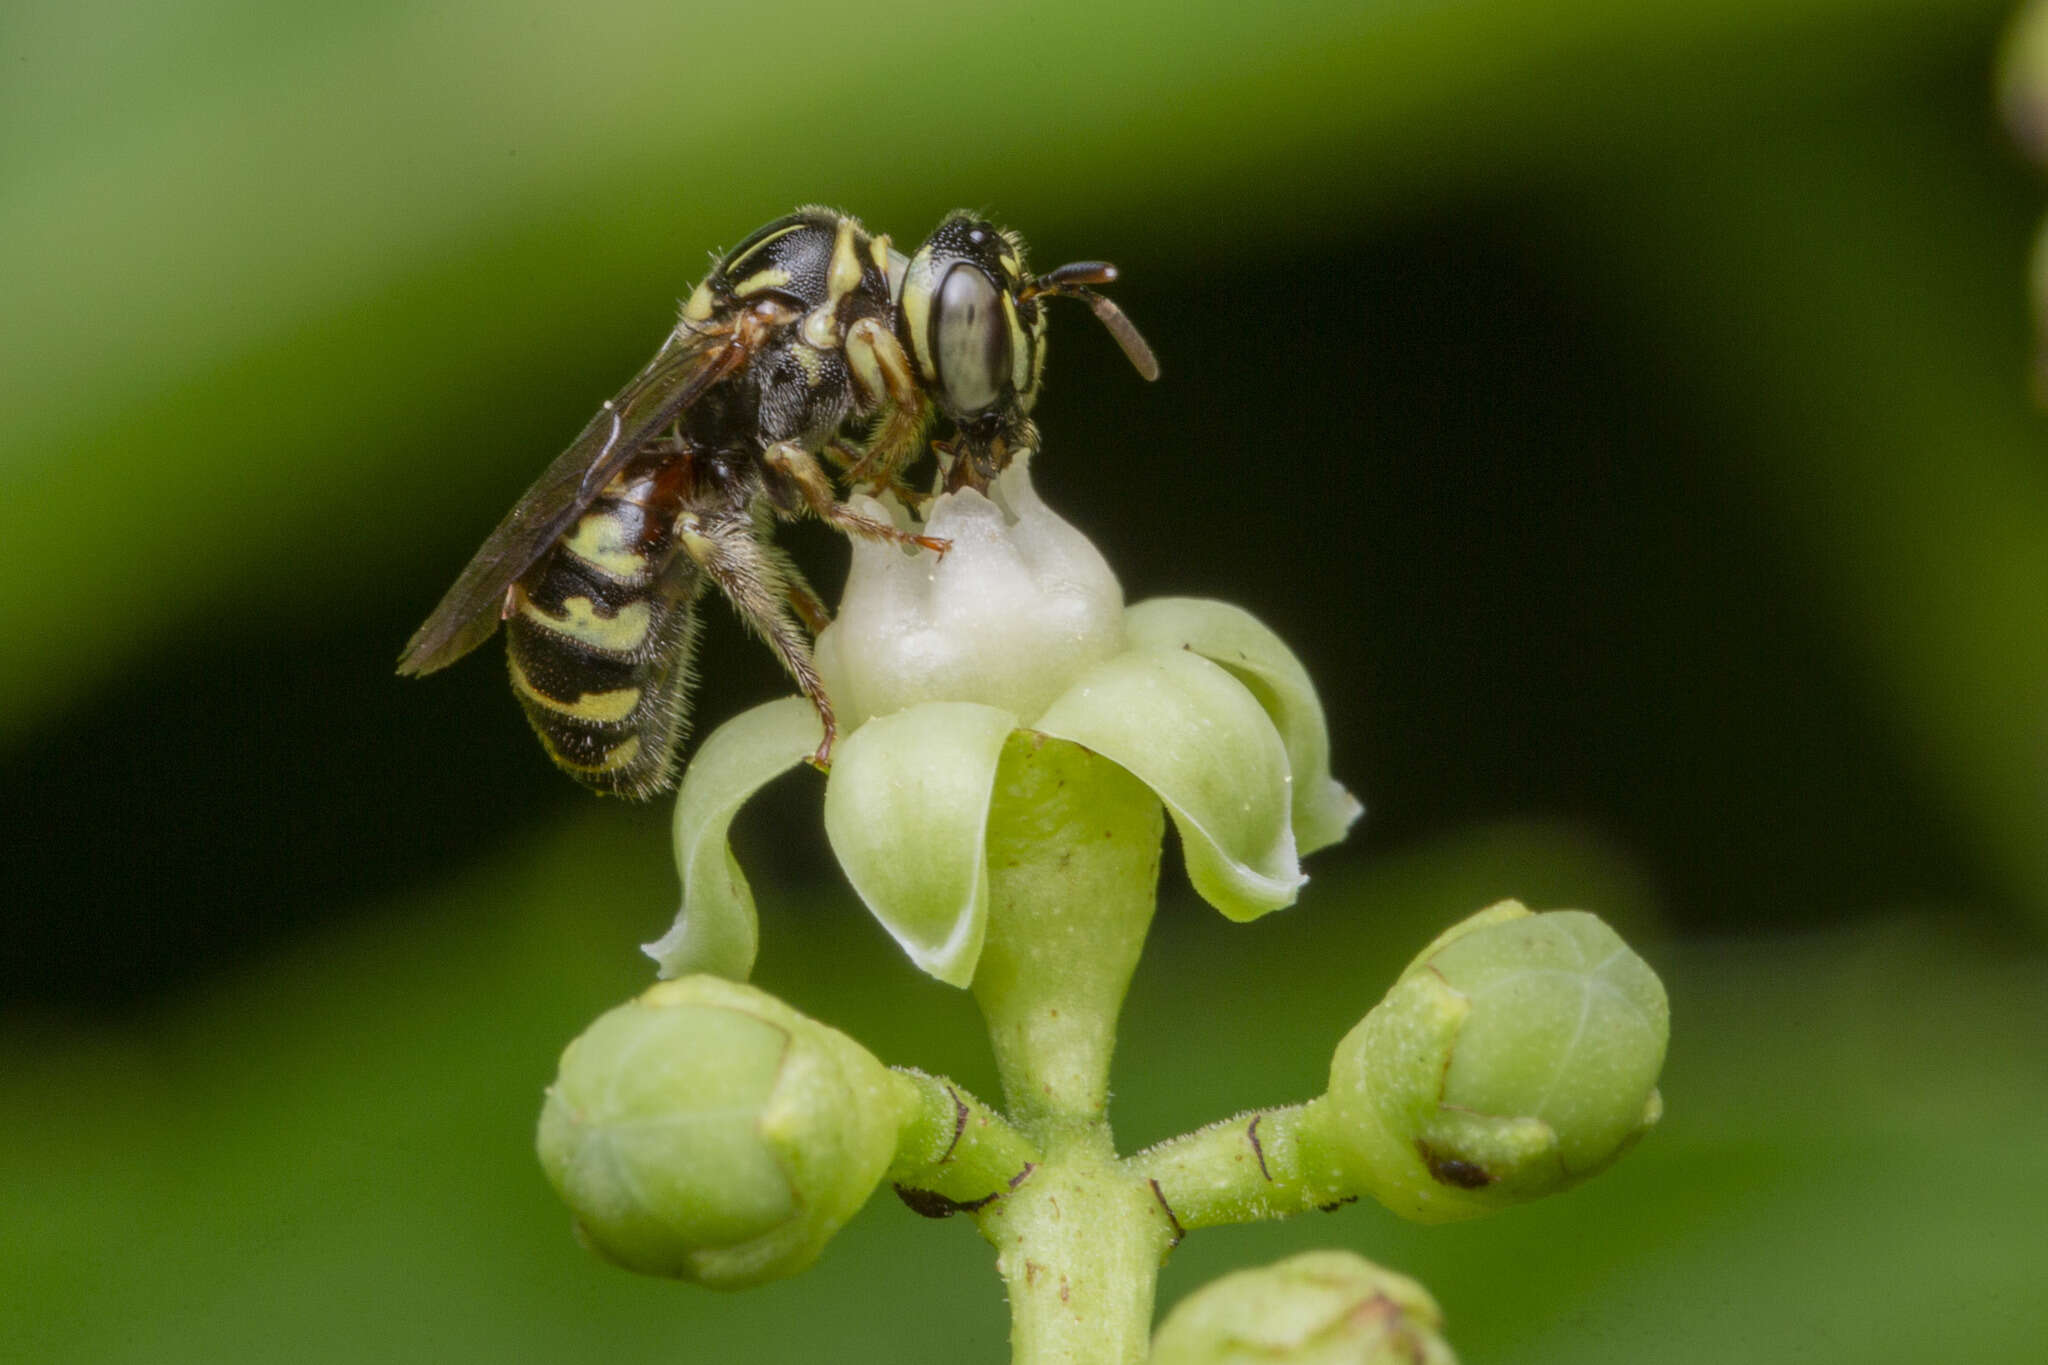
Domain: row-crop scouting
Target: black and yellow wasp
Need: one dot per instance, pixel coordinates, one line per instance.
(810, 337)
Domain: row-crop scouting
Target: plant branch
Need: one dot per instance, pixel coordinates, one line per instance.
(956, 1154)
(1260, 1165)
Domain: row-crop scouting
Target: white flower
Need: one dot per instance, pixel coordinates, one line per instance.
(933, 664)
(1019, 607)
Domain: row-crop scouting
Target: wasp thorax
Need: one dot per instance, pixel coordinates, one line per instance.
(971, 340)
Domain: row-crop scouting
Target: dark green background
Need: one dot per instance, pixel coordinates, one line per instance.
(1622, 407)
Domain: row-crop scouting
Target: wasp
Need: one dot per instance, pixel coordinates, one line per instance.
(811, 337)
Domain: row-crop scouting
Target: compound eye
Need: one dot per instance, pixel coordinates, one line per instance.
(970, 341)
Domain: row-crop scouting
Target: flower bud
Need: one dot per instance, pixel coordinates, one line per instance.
(709, 1132)
(1516, 1056)
(1318, 1308)
(2022, 79)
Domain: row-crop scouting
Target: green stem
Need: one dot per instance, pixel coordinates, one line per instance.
(956, 1153)
(1079, 1245)
(1073, 858)
(1073, 861)
(1272, 1163)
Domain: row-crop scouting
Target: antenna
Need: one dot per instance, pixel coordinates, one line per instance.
(1072, 281)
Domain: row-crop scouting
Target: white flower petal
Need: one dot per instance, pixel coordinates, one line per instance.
(716, 931)
(906, 810)
(1261, 660)
(1019, 606)
(1196, 736)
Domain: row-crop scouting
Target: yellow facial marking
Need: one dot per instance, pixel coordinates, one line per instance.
(774, 277)
(1021, 349)
(878, 252)
(597, 542)
(918, 287)
(1012, 267)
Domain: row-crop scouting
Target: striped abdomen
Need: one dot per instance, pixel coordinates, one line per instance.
(600, 640)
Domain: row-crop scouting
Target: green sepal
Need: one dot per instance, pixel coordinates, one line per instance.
(1240, 642)
(1194, 734)
(716, 930)
(906, 811)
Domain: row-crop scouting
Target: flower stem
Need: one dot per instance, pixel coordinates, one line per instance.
(1079, 1245)
(1073, 859)
(1270, 1164)
(955, 1153)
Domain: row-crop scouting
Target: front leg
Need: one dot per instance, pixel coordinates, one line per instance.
(802, 472)
(885, 378)
(845, 458)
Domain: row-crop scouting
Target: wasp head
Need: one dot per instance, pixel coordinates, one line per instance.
(972, 318)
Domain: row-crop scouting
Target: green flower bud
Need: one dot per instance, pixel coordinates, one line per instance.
(1318, 1308)
(709, 1132)
(2022, 80)
(1517, 1055)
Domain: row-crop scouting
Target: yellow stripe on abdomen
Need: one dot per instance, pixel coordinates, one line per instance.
(621, 755)
(621, 633)
(593, 708)
(599, 541)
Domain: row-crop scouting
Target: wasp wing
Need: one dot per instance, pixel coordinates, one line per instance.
(687, 364)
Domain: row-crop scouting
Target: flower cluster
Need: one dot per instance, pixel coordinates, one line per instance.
(1016, 738)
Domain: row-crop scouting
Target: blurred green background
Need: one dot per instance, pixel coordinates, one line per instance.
(1622, 407)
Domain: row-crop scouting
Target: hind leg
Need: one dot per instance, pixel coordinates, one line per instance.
(731, 552)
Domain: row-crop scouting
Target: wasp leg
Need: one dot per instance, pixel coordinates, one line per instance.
(731, 552)
(845, 458)
(809, 607)
(803, 599)
(808, 477)
(883, 372)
